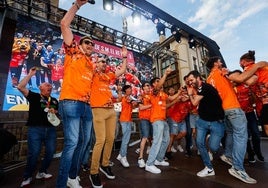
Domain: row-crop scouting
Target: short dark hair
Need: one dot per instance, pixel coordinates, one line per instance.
(125, 87)
(153, 80)
(143, 84)
(211, 61)
(195, 73)
(249, 56)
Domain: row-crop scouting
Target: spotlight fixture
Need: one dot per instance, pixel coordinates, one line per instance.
(108, 5)
(191, 42)
(136, 17)
(91, 2)
(155, 19)
(174, 29)
(160, 27)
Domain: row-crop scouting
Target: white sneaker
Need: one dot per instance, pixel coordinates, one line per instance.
(123, 161)
(26, 182)
(43, 175)
(162, 163)
(141, 163)
(242, 175)
(179, 147)
(148, 149)
(210, 156)
(74, 183)
(153, 169)
(206, 172)
(226, 159)
(173, 150)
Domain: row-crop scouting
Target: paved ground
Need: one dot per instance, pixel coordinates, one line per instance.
(181, 173)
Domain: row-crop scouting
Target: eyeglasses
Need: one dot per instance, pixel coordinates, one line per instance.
(88, 42)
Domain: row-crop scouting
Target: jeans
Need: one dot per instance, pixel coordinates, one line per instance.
(160, 142)
(216, 130)
(77, 125)
(236, 137)
(126, 131)
(254, 132)
(37, 136)
(89, 147)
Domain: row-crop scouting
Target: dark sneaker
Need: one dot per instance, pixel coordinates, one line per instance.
(95, 180)
(107, 172)
(251, 159)
(168, 155)
(85, 168)
(260, 158)
(188, 153)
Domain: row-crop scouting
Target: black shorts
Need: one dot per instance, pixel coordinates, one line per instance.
(264, 115)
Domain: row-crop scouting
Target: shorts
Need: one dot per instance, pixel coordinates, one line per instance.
(176, 127)
(193, 118)
(264, 115)
(146, 128)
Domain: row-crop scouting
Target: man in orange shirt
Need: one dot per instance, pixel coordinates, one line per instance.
(74, 106)
(126, 121)
(247, 60)
(236, 122)
(104, 118)
(158, 100)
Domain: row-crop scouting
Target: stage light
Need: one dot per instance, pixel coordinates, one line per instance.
(155, 19)
(91, 2)
(108, 5)
(160, 27)
(136, 17)
(174, 29)
(191, 42)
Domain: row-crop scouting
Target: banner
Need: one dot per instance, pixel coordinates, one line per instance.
(39, 44)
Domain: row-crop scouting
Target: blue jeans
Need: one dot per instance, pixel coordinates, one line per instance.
(160, 142)
(89, 147)
(37, 136)
(126, 131)
(77, 125)
(236, 137)
(216, 130)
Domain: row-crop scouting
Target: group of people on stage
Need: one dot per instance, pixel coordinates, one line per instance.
(220, 106)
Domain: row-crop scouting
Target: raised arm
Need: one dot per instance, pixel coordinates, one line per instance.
(23, 83)
(67, 20)
(123, 67)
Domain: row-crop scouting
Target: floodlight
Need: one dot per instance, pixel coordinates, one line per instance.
(108, 5)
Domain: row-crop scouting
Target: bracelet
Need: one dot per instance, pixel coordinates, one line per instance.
(76, 4)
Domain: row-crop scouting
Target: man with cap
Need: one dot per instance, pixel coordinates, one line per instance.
(74, 105)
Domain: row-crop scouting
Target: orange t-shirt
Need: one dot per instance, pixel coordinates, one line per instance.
(126, 112)
(224, 88)
(78, 72)
(145, 114)
(159, 105)
(101, 94)
(180, 111)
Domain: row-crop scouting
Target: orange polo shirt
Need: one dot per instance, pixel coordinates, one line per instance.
(159, 105)
(78, 72)
(224, 88)
(145, 114)
(101, 94)
(180, 111)
(126, 112)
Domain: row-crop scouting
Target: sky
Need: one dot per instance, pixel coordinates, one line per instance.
(235, 25)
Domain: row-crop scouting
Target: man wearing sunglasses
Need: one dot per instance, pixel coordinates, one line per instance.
(74, 105)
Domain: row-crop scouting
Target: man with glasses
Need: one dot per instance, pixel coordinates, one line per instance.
(74, 105)
(104, 118)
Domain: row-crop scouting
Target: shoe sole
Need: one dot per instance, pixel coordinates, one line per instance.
(107, 175)
(233, 173)
(202, 176)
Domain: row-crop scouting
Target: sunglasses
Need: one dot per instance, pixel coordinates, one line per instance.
(88, 42)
